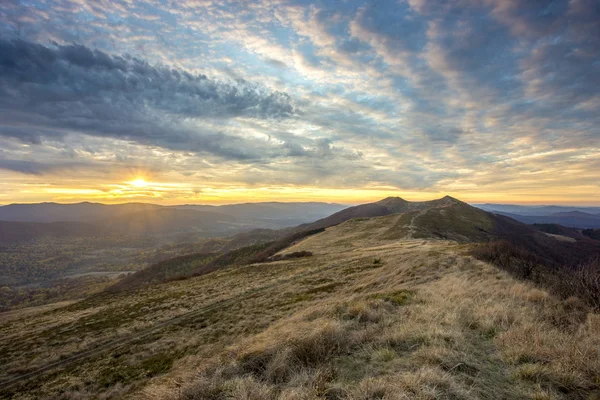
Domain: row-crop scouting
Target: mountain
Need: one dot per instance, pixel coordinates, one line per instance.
(573, 219)
(267, 215)
(535, 210)
(387, 206)
(575, 214)
(393, 218)
(452, 219)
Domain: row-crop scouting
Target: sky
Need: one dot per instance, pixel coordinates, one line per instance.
(206, 101)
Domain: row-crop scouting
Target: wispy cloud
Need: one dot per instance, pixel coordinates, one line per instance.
(415, 95)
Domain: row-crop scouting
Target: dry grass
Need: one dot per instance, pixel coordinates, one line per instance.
(424, 322)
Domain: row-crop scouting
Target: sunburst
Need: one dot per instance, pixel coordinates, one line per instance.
(139, 182)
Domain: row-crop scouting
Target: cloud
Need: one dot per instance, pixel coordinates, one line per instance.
(276, 63)
(422, 94)
(73, 88)
(37, 168)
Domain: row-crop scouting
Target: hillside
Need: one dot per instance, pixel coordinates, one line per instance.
(446, 218)
(379, 311)
(390, 306)
(387, 206)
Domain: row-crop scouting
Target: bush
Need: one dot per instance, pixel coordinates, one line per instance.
(515, 259)
(582, 281)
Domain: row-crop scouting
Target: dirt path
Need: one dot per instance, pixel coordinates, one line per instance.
(412, 228)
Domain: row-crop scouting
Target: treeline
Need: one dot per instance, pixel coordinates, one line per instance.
(592, 233)
(580, 279)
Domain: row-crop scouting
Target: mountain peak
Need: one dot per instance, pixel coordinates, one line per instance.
(450, 198)
(392, 199)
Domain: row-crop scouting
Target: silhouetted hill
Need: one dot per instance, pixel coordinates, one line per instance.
(571, 219)
(535, 210)
(575, 214)
(387, 206)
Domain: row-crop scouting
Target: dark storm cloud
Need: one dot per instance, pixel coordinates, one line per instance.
(74, 88)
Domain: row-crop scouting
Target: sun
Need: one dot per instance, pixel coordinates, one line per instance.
(139, 182)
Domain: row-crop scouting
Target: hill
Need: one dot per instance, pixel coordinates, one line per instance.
(569, 220)
(446, 218)
(536, 210)
(574, 217)
(387, 307)
(387, 206)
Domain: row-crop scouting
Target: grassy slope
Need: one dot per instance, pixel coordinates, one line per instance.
(366, 317)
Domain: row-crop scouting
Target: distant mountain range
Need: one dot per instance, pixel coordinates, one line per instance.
(20, 222)
(536, 210)
(574, 217)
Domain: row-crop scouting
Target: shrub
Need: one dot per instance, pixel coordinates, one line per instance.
(515, 259)
(582, 281)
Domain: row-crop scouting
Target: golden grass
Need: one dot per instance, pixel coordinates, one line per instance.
(424, 322)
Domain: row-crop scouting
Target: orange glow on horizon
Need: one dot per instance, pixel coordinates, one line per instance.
(141, 190)
(170, 189)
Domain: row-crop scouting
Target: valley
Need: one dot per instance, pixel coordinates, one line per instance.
(55, 252)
